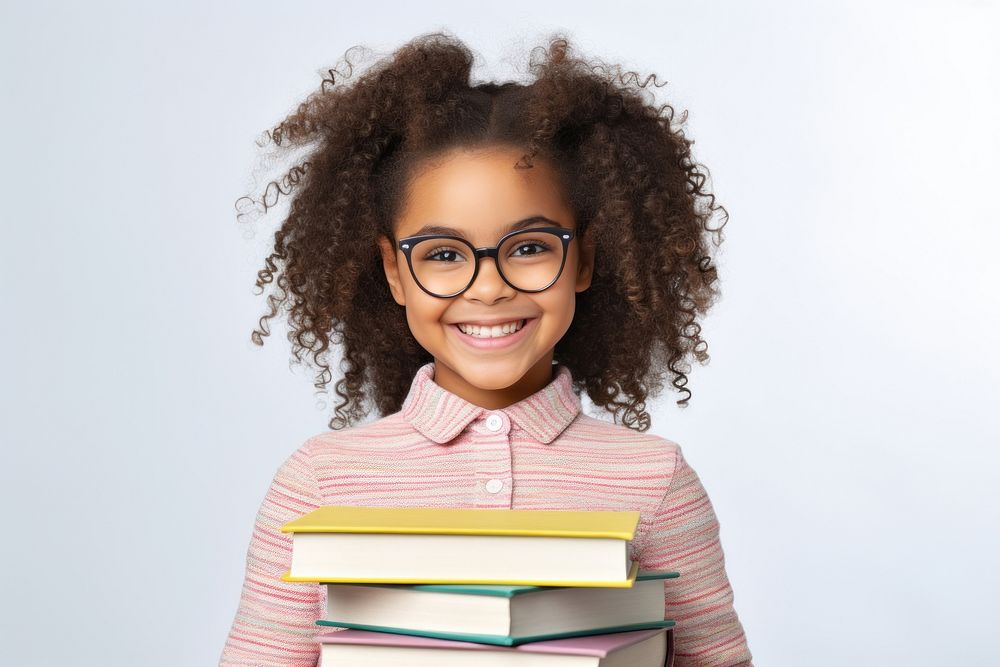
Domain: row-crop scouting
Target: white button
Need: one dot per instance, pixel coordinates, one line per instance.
(494, 422)
(494, 485)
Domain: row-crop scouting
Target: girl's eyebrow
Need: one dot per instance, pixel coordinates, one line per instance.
(520, 224)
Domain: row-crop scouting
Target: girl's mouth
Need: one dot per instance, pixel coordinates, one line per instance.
(492, 337)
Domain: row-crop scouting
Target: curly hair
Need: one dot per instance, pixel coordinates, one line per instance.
(628, 173)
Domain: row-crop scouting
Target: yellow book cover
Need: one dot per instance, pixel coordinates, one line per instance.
(461, 521)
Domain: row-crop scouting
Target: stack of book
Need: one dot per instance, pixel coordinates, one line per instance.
(449, 587)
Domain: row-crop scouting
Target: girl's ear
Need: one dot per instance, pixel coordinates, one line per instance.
(391, 268)
(585, 271)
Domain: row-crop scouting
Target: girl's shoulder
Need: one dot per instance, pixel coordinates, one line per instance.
(385, 432)
(619, 435)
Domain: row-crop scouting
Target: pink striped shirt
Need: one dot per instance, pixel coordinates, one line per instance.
(440, 450)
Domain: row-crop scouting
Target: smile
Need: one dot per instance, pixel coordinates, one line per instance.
(484, 337)
(494, 331)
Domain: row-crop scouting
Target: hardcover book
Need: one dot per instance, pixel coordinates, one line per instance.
(502, 615)
(359, 648)
(427, 545)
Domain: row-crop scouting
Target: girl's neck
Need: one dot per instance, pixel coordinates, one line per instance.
(537, 377)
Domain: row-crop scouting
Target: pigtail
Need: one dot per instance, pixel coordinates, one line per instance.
(324, 267)
(642, 200)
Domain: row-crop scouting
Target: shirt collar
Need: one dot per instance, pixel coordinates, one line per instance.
(440, 415)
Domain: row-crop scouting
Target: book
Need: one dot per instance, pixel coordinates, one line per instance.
(501, 615)
(360, 648)
(430, 545)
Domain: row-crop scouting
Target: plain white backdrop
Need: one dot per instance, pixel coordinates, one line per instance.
(846, 427)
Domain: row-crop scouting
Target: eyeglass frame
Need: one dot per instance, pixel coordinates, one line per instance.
(565, 235)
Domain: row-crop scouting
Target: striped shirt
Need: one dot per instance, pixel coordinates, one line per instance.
(542, 452)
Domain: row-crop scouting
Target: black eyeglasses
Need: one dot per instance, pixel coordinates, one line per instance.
(529, 260)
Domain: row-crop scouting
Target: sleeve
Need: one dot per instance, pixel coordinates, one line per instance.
(684, 536)
(275, 623)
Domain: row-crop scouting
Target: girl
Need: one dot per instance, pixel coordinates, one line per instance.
(483, 253)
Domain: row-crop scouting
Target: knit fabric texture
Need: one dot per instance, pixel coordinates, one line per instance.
(542, 452)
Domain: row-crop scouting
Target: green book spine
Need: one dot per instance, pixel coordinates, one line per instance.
(500, 640)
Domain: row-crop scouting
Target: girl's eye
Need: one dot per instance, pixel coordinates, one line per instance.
(443, 254)
(529, 248)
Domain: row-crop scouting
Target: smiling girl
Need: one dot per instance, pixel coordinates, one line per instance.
(492, 325)
(483, 254)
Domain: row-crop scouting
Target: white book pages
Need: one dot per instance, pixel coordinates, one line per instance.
(376, 556)
(537, 613)
(418, 610)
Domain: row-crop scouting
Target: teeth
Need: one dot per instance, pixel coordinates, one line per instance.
(494, 331)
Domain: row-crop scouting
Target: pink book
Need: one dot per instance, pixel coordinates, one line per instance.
(643, 648)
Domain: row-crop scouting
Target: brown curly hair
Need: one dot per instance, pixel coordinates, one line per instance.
(629, 176)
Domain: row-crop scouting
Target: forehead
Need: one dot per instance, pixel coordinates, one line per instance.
(480, 192)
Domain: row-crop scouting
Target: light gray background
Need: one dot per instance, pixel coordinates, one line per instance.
(846, 428)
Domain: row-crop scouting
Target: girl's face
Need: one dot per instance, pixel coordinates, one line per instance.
(479, 195)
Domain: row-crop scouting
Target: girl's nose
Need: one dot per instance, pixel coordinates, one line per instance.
(489, 285)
